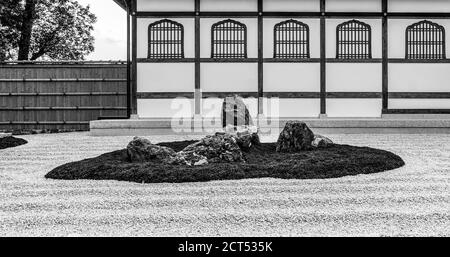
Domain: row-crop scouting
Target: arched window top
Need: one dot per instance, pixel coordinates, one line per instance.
(165, 40)
(354, 40)
(229, 39)
(425, 40)
(291, 39)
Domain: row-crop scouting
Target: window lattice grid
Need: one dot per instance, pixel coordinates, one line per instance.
(354, 40)
(291, 40)
(425, 40)
(229, 40)
(165, 40)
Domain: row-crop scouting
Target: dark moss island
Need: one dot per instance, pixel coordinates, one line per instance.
(262, 161)
(9, 141)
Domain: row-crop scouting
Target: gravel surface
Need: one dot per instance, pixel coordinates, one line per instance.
(411, 201)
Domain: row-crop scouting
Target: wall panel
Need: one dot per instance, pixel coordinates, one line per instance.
(165, 5)
(292, 77)
(354, 77)
(165, 77)
(229, 77)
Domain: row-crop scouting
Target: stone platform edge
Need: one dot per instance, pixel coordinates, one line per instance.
(388, 125)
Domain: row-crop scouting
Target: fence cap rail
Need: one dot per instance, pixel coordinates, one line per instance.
(63, 62)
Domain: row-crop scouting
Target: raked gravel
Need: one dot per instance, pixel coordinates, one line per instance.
(411, 201)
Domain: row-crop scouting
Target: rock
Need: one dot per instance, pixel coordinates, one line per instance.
(3, 135)
(246, 136)
(235, 112)
(220, 148)
(142, 150)
(321, 142)
(296, 136)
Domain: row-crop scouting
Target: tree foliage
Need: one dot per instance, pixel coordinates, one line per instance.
(45, 30)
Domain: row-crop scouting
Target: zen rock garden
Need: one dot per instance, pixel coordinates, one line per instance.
(235, 153)
(8, 141)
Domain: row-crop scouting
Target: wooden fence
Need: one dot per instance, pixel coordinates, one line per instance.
(63, 96)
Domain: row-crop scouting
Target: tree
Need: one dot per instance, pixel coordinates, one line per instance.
(45, 30)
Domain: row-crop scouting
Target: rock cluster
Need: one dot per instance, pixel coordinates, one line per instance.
(226, 147)
(218, 148)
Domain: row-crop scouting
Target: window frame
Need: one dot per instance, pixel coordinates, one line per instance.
(244, 43)
(160, 56)
(276, 40)
(437, 27)
(367, 42)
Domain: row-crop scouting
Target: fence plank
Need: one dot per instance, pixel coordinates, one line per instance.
(60, 96)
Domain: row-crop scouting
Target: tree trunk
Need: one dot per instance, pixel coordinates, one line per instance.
(26, 29)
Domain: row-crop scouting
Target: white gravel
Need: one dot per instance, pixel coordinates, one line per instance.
(411, 201)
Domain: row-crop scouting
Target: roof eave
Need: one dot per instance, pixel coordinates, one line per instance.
(123, 3)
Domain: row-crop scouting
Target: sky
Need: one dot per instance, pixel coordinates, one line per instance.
(110, 30)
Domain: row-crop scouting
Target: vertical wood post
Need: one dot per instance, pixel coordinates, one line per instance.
(385, 69)
(323, 64)
(134, 53)
(197, 93)
(260, 57)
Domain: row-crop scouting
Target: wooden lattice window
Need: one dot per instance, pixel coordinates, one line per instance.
(229, 39)
(425, 40)
(354, 40)
(291, 40)
(165, 40)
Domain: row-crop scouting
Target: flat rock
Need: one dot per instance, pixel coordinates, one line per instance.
(3, 135)
(321, 142)
(219, 148)
(142, 150)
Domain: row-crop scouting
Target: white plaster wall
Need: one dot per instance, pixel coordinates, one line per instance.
(419, 6)
(291, 5)
(165, 77)
(353, 5)
(292, 77)
(357, 108)
(292, 108)
(314, 32)
(418, 77)
(229, 5)
(212, 107)
(229, 77)
(354, 77)
(252, 36)
(375, 24)
(419, 103)
(142, 36)
(165, 5)
(397, 30)
(165, 108)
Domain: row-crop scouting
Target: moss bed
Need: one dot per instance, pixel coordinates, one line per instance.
(8, 142)
(262, 162)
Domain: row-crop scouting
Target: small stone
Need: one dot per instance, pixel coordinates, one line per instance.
(296, 136)
(142, 150)
(321, 142)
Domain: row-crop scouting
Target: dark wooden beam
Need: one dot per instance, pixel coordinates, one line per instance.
(323, 64)
(416, 111)
(198, 96)
(385, 53)
(134, 57)
(260, 57)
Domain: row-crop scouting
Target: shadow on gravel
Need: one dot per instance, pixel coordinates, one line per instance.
(8, 142)
(261, 162)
